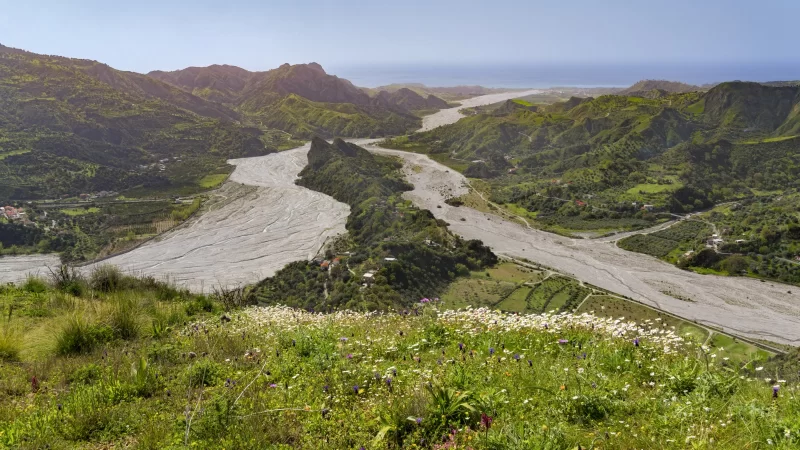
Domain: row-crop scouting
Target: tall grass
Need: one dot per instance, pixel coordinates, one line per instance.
(10, 343)
(106, 278)
(125, 317)
(79, 335)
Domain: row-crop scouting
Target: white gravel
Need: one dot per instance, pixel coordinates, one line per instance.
(451, 115)
(252, 234)
(14, 269)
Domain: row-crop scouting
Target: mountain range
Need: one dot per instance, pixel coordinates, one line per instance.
(69, 126)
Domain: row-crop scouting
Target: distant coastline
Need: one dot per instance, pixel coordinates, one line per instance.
(553, 75)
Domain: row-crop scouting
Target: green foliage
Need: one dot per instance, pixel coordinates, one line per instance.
(78, 335)
(203, 373)
(74, 126)
(10, 343)
(106, 278)
(34, 285)
(423, 255)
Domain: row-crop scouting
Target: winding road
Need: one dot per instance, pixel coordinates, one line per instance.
(263, 221)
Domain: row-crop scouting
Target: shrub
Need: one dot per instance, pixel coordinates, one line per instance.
(78, 336)
(231, 297)
(106, 278)
(86, 374)
(34, 285)
(203, 373)
(67, 279)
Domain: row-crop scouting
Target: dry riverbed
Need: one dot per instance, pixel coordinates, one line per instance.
(743, 306)
(262, 221)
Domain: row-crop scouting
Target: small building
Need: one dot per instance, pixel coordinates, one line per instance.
(740, 241)
(324, 265)
(390, 259)
(512, 170)
(647, 207)
(580, 203)
(368, 277)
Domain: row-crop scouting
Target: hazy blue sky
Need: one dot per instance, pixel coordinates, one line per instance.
(165, 34)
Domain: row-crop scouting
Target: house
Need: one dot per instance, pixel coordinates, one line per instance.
(647, 207)
(390, 259)
(83, 196)
(336, 261)
(368, 277)
(325, 264)
(580, 203)
(740, 241)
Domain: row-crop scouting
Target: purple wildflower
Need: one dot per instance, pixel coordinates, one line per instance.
(562, 341)
(636, 342)
(461, 346)
(486, 421)
(425, 300)
(325, 389)
(419, 420)
(325, 412)
(516, 356)
(343, 339)
(389, 381)
(349, 356)
(355, 389)
(273, 385)
(491, 351)
(775, 390)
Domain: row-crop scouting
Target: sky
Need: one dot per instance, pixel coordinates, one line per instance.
(259, 35)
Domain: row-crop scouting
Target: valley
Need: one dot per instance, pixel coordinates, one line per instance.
(742, 306)
(263, 220)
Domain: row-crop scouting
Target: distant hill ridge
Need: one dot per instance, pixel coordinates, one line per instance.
(666, 86)
(304, 100)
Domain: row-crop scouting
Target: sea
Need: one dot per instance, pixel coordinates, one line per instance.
(555, 75)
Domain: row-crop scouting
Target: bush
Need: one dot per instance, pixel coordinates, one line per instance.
(106, 278)
(203, 373)
(67, 279)
(79, 336)
(86, 374)
(34, 285)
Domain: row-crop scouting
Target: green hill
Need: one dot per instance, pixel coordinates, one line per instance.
(423, 255)
(304, 100)
(74, 126)
(676, 152)
(641, 88)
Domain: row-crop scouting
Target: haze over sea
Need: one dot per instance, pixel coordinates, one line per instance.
(563, 74)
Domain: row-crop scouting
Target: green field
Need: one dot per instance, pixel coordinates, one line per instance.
(654, 188)
(212, 181)
(80, 211)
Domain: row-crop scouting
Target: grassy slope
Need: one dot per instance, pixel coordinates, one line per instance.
(66, 128)
(281, 378)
